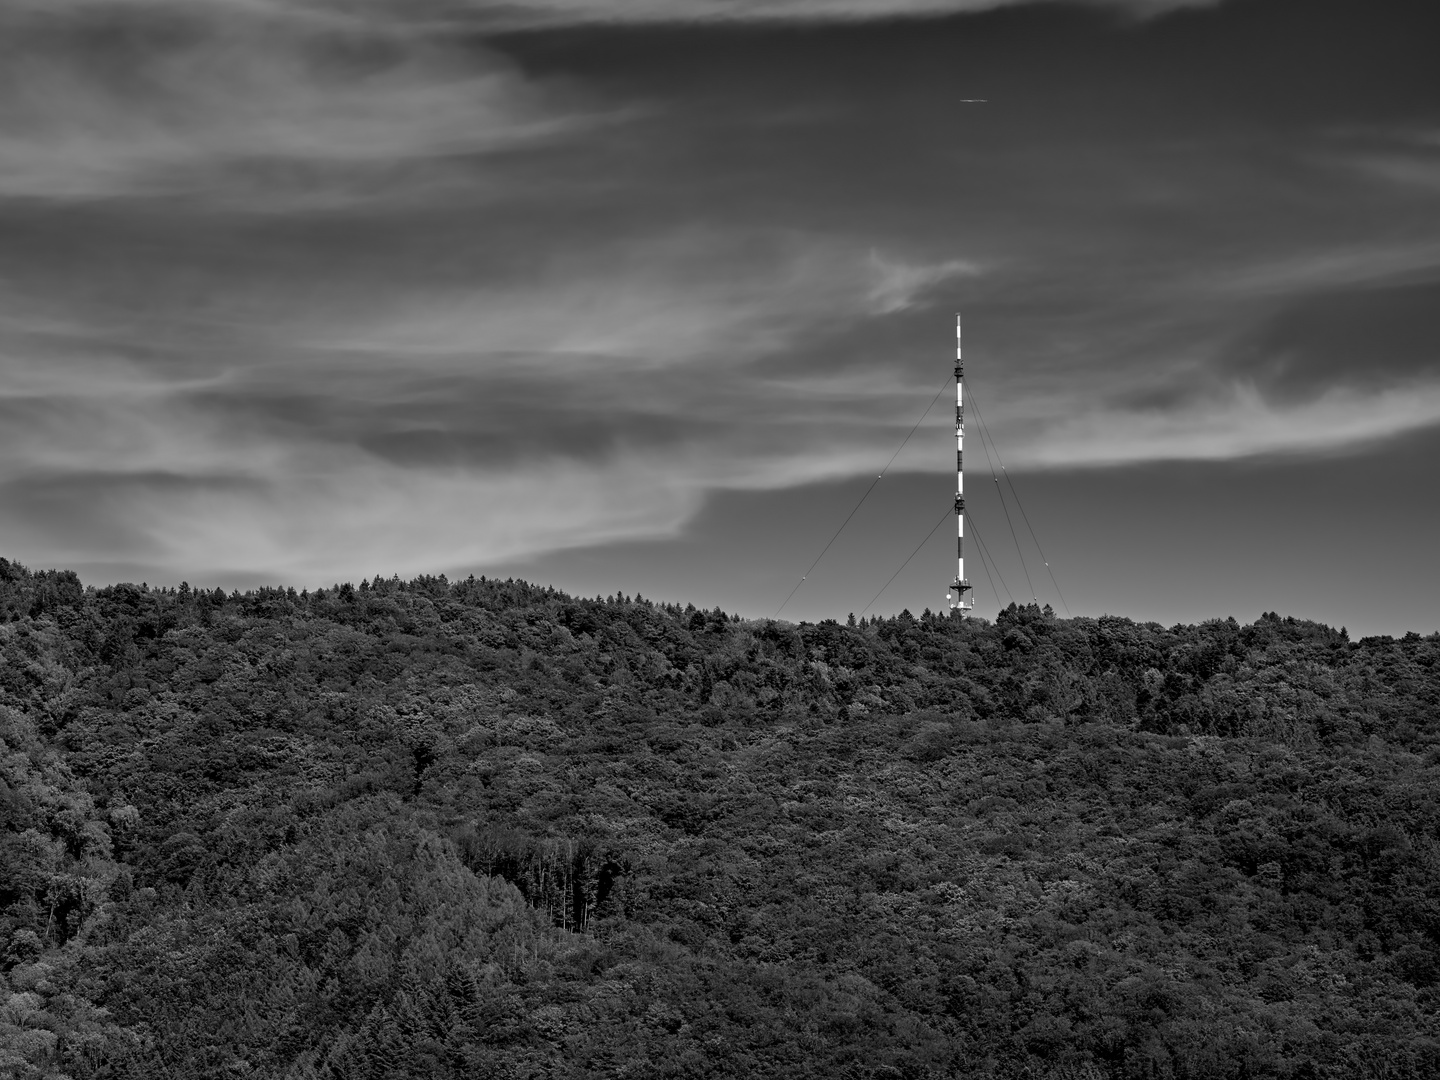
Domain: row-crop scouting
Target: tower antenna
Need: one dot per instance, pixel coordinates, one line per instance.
(960, 603)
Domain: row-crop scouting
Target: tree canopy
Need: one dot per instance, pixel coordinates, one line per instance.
(444, 828)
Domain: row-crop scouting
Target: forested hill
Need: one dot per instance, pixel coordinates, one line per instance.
(482, 828)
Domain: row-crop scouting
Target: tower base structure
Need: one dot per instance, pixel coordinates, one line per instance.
(959, 601)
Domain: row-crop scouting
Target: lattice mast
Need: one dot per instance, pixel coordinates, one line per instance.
(960, 602)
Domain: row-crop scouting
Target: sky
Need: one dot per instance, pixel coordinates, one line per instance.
(641, 295)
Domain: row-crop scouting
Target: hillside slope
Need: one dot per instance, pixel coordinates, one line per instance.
(482, 828)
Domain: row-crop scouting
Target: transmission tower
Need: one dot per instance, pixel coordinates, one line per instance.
(959, 601)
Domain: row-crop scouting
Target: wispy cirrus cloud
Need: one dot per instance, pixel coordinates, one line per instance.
(251, 105)
(311, 103)
(1238, 423)
(449, 13)
(900, 285)
(596, 398)
(550, 12)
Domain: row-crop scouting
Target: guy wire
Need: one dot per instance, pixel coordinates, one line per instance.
(985, 560)
(1014, 491)
(949, 512)
(948, 382)
(984, 440)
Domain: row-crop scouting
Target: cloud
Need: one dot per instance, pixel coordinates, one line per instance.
(1360, 339)
(900, 285)
(550, 12)
(1418, 169)
(1397, 155)
(597, 400)
(1236, 425)
(251, 105)
(510, 13)
(668, 298)
(1309, 370)
(1311, 269)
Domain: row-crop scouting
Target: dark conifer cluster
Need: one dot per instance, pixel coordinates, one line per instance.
(481, 828)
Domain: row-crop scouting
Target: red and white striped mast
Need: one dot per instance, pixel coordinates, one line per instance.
(959, 601)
